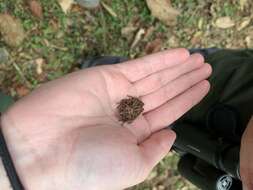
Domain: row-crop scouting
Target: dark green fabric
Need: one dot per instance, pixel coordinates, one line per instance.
(5, 102)
(231, 84)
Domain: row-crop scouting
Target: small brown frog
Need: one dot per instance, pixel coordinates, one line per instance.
(129, 109)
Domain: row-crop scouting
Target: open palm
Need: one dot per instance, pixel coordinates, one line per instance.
(67, 135)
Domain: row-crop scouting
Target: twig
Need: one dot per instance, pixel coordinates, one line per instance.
(109, 10)
(21, 74)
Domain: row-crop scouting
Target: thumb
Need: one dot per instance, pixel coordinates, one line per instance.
(246, 155)
(156, 147)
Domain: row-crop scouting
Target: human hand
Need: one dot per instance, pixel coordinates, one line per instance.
(246, 156)
(65, 134)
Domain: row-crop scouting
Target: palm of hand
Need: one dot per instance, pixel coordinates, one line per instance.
(79, 138)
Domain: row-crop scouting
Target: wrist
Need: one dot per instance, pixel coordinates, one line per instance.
(31, 166)
(7, 163)
(15, 148)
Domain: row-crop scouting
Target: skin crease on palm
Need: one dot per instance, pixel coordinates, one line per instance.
(65, 135)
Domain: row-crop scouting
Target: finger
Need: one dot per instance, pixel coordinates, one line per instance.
(159, 79)
(246, 172)
(247, 178)
(175, 108)
(176, 87)
(155, 148)
(246, 168)
(137, 69)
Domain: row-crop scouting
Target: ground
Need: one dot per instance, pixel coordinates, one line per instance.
(55, 44)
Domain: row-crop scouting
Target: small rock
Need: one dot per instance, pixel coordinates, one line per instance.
(11, 30)
(4, 55)
(39, 63)
(249, 41)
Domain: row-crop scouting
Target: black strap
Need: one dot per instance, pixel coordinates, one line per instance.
(8, 164)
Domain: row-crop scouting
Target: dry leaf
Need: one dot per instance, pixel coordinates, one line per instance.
(22, 91)
(11, 30)
(65, 4)
(149, 32)
(224, 22)
(36, 8)
(246, 21)
(128, 30)
(249, 39)
(243, 3)
(88, 3)
(196, 39)
(109, 10)
(154, 46)
(162, 10)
